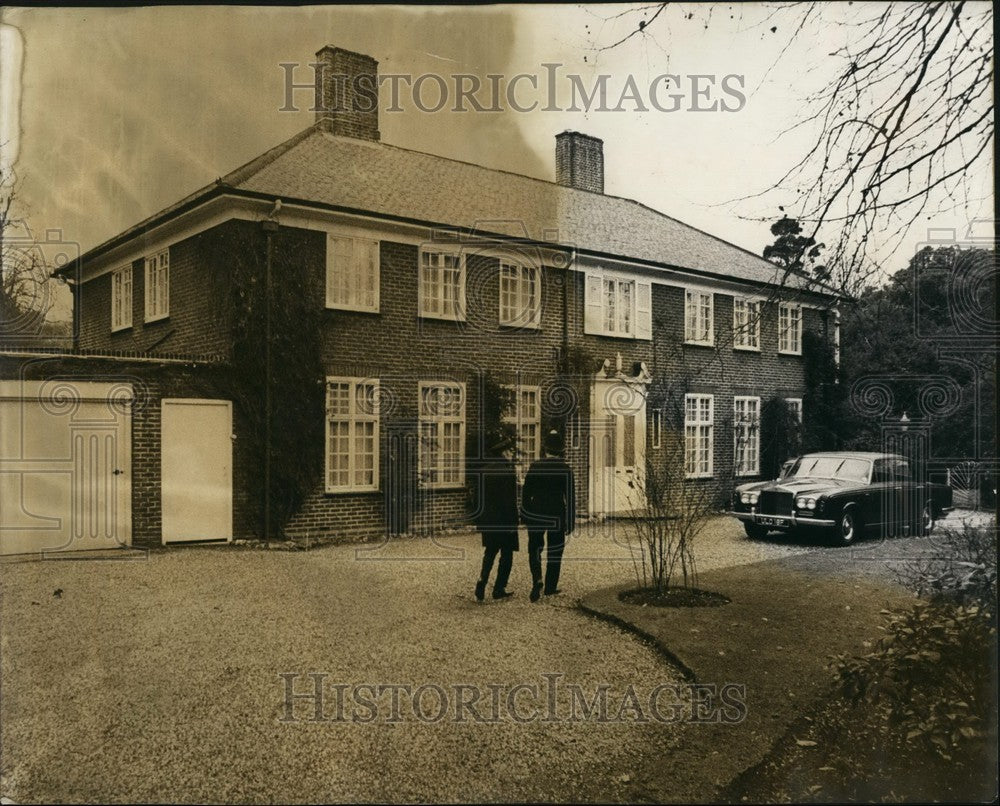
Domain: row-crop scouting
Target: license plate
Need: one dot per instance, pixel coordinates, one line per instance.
(773, 521)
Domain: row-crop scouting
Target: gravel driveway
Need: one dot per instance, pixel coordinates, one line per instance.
(158, 678)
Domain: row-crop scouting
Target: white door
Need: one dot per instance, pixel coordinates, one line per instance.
(618, 446)
(65, 466)
(197, 470)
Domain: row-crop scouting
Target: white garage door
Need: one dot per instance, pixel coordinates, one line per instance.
(65, 466)
(197, 470)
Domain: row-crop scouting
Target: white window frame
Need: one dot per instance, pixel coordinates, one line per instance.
(121, 298)
(516, 416)
(438, 421)
(631, 316)
(795, 403)
(434, 259)
(157, 286)
(789, 328)
(703, 319)
(746, 435)
(656, 428)
(358, 286)
(746, 324)
(353, 417)
(517, 281)
(622, 308)
(699, 428)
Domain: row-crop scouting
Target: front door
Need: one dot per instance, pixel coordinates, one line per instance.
(618, 446)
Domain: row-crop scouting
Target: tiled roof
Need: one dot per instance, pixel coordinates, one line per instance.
(344, 172)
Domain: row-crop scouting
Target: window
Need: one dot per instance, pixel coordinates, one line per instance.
(698, 327)
(618, 306)
(746, 324)
(525, 416)
(900, 470)
(352, 273)
(789, 328)
(121, 298)
(442, 285)
(352, 413)
(574, 430)
(442, 434)
(158, 286)
(698, 436)
(795, 407)
(746, 435)
(619, 312)
(520, 295)
(656, 427)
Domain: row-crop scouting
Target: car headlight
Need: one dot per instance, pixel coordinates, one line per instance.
(805, 503)
(749, 498)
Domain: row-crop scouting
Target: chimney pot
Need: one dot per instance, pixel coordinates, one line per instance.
(580, 161)
(347, 93)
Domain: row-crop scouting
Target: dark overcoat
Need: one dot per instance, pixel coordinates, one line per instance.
(493, 487)
(548, 501)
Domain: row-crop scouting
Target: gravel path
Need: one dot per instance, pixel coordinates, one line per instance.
(158, 678)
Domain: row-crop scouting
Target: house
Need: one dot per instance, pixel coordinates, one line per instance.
(426, 275)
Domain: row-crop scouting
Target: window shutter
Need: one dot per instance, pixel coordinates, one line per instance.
(460, 306)
(593, 319)
(643, 310)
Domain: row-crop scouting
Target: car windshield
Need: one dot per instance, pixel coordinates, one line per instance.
(832, 467)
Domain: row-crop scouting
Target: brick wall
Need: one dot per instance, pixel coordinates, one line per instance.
(400, 349)
(194, 326)
(151, 383)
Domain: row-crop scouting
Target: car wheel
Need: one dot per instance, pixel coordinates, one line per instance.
(755, 531)
(848, 529)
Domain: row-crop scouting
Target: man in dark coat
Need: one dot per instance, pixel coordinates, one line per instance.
(549, 509)
(495, 512)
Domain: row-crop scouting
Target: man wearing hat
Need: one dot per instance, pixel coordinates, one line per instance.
(495, 513)
(549, 510)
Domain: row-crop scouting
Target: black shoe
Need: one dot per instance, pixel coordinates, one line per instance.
(480, 590)
(536, 591)
(553, 592)
(501, 594)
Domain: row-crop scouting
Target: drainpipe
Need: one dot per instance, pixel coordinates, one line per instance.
(270, 226)
(836, 341)
(565, 312)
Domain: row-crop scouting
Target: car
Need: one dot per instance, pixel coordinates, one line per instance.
(845, 495)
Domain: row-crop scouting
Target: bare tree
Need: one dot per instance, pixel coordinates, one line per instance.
(905, 123)
(24, 272)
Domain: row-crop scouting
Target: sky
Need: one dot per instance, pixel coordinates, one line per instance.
(112, 114)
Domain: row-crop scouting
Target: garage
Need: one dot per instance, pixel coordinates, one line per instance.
(65, 466)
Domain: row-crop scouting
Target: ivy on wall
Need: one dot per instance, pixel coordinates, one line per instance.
(282, 359)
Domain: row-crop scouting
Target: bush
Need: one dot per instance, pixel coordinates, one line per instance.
(934, 669)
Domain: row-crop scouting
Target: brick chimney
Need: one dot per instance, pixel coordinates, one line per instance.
(347, 93)
(580, 161)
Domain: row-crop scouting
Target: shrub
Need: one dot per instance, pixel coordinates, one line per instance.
(933, 669)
